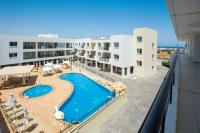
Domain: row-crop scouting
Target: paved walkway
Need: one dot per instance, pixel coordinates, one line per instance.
(103, 74)
(188, 116)
(140, 94)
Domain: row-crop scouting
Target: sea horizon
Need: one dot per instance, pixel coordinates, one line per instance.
(170, 46)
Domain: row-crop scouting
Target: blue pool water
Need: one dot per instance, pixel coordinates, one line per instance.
(37, 91)
(88, 97)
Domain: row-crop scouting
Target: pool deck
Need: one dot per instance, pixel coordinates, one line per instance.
(138, 99)
(42, 108)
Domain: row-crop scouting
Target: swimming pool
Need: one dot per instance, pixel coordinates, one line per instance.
(87, 97)
(37, 91)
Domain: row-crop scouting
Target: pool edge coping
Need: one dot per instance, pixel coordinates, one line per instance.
(31, 98)
(97, 112)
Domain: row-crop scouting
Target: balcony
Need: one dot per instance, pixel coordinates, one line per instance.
(179, 94)
(29, 55)
(46, 54)
(68, 45)
(29, 45)
(50, 45)
(188, 96)
(105, 59)
(70, 52)
(82, 46)
(104, 48)
(91, 56)
(157, 117)
(81, 54)
(90, 47)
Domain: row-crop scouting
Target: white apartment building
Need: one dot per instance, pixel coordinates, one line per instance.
(31, 50)
(123, 55)
(146, 46)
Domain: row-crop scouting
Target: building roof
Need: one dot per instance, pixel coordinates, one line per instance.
(15, 70)
(185, 15)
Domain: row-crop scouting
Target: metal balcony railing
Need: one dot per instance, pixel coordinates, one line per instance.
(90, 56)
(104, 48)
(104, 59)
(155, 120)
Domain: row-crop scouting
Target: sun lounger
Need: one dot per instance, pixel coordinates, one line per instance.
(15, 113)
(16, 119)
(7, 85)
(6, 107)
(38, 129)
(30, 124)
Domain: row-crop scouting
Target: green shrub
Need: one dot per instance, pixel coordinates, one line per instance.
(166, 63)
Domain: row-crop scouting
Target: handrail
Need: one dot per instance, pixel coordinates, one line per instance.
(67, 127)
(99, 74)
(105, 102)
(108, 103)
(93, 71)
(96, 113)
(155, 118)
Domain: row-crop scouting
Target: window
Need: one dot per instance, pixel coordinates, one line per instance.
(139, 51)
(49, 45)
(29, 55)
(29, 45)
(68, 45)
(13, 44)
(83, 45)
(116, 57)
(139, 63)
(60, 53)
(116, 45)
(59, 45)
(99, 54)
(152, 45)
(139, 39)
(41, 45)
(152, 56)
(69, 52)
(131, 69)
(41, 54)
(125, 71)
(12, 55)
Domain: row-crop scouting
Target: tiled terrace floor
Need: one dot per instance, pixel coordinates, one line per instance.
(188, 115)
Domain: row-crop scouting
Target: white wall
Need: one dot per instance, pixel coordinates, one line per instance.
(5, 49)
(170, 121)
(125, 51)
(149, 36)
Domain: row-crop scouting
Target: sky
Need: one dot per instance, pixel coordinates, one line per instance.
(85, 18)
